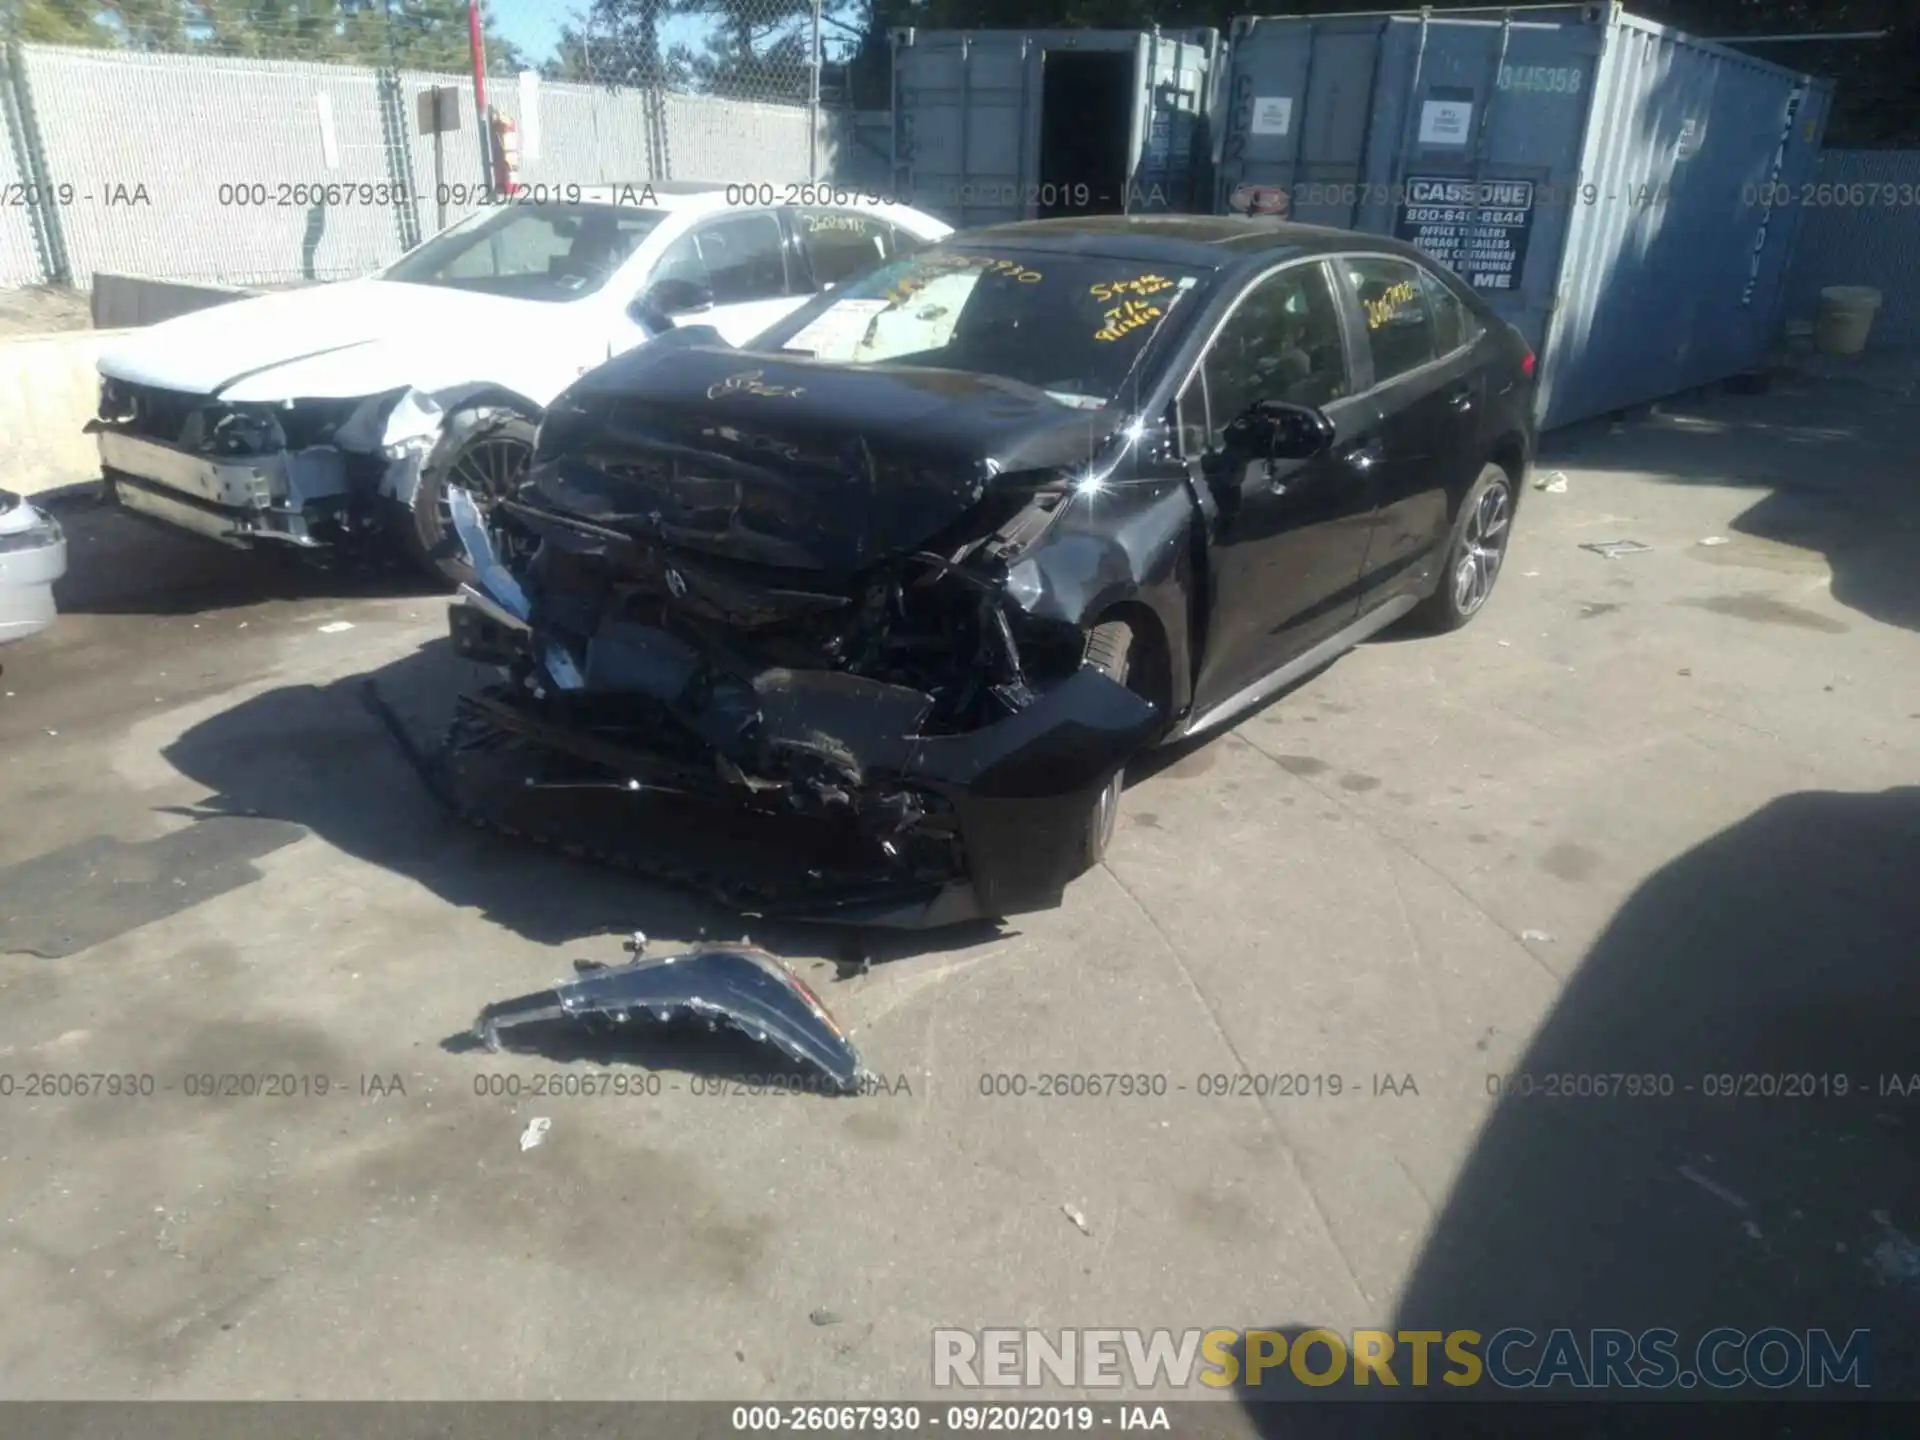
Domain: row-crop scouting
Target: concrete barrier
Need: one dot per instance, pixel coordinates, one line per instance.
(49, 388)
(122, 301)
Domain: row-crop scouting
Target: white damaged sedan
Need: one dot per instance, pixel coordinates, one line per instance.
(340, 415)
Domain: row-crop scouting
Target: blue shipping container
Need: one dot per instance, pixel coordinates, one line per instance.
(998, 125)
(1623, 193)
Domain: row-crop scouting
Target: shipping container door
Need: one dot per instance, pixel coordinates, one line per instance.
(1484, 123)
(965, 124)
(1171, 174)
(1674, 275)
(1799, 162)
(1296, 115)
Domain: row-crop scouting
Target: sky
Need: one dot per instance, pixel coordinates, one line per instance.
(534, 25)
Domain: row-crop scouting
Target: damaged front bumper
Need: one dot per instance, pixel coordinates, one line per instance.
(930, 829)
(237, 502)
(304, 496)
(739, 986)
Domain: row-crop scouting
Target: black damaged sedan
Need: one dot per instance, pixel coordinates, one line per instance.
(925, 565)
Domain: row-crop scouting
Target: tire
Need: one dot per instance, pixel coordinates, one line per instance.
(1110, 651)
(1479, 540)
(484, 451)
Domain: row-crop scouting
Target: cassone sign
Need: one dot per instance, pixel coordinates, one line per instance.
(1479, 231)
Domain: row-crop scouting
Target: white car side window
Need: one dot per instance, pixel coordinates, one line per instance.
(681, 262)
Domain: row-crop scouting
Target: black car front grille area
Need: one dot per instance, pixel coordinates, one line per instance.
(148, 412)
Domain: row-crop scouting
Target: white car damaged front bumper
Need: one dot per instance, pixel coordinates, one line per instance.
(289, 496)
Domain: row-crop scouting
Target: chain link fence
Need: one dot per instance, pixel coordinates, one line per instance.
(267, 143)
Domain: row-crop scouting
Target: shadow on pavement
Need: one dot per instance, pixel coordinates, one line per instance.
(119, 563)
(1778, 956)
(1838, 458)
(1765, 983)
(317, 756)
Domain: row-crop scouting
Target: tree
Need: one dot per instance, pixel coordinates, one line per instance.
(618, 44)
(61, 22)
(414, 34)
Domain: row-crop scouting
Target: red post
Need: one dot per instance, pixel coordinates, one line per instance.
(477, 43)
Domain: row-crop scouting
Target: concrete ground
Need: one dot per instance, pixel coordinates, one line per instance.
(1654, 814)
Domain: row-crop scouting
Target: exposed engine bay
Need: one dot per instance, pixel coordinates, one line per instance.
(931, 744)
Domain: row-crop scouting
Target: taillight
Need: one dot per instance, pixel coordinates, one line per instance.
(1526, 361)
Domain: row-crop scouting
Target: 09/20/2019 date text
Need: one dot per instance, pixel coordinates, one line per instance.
(1210, 1085)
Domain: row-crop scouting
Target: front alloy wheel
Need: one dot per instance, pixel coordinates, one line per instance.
(486, 452)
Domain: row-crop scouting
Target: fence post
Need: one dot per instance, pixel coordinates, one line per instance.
(30, 154)
(395, 132)
(813, 99)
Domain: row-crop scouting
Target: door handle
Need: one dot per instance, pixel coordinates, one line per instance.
(1462, 398)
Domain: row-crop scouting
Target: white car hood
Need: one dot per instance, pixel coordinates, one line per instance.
(359, 337)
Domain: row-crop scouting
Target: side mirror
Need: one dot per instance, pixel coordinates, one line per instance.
(665, 301)
(1275, 430)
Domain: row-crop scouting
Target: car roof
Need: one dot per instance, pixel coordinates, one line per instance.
(1205, 242)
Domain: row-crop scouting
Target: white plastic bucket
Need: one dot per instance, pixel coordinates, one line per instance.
(1845, 317)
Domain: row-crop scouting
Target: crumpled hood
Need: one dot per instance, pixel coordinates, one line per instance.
(794, 463)
(357, 337)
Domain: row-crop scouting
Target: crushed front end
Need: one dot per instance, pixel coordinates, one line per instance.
(303, 473)
(907, 745)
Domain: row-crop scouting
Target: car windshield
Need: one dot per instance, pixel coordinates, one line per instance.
(549, 252)
(1072, 325)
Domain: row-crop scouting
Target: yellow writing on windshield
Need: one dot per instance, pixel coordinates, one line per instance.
(1127, 317)
(1139, 285)
(1389, 304)
(940, 266)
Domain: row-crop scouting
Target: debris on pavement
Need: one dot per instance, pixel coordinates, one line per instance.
(336, 627)
(1079, 1220)
(1614, 548)
(1714, 540)
(1895, 1260)
(535, 1132)
(824, 1318)
(1713, 1188)
(1541, 937)
(1554, 482)
(737, 985)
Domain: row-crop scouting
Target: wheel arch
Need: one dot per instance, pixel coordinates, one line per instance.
(1151, 669)
(489, 394)
(1510, 454)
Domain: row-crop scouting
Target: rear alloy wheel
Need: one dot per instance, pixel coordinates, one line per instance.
(485, 452)
(1110, 651)
(1474, 556)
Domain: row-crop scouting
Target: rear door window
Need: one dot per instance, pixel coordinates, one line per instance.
(743, 257)
(842, 243)
(1454, 324)
(1397, 314)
